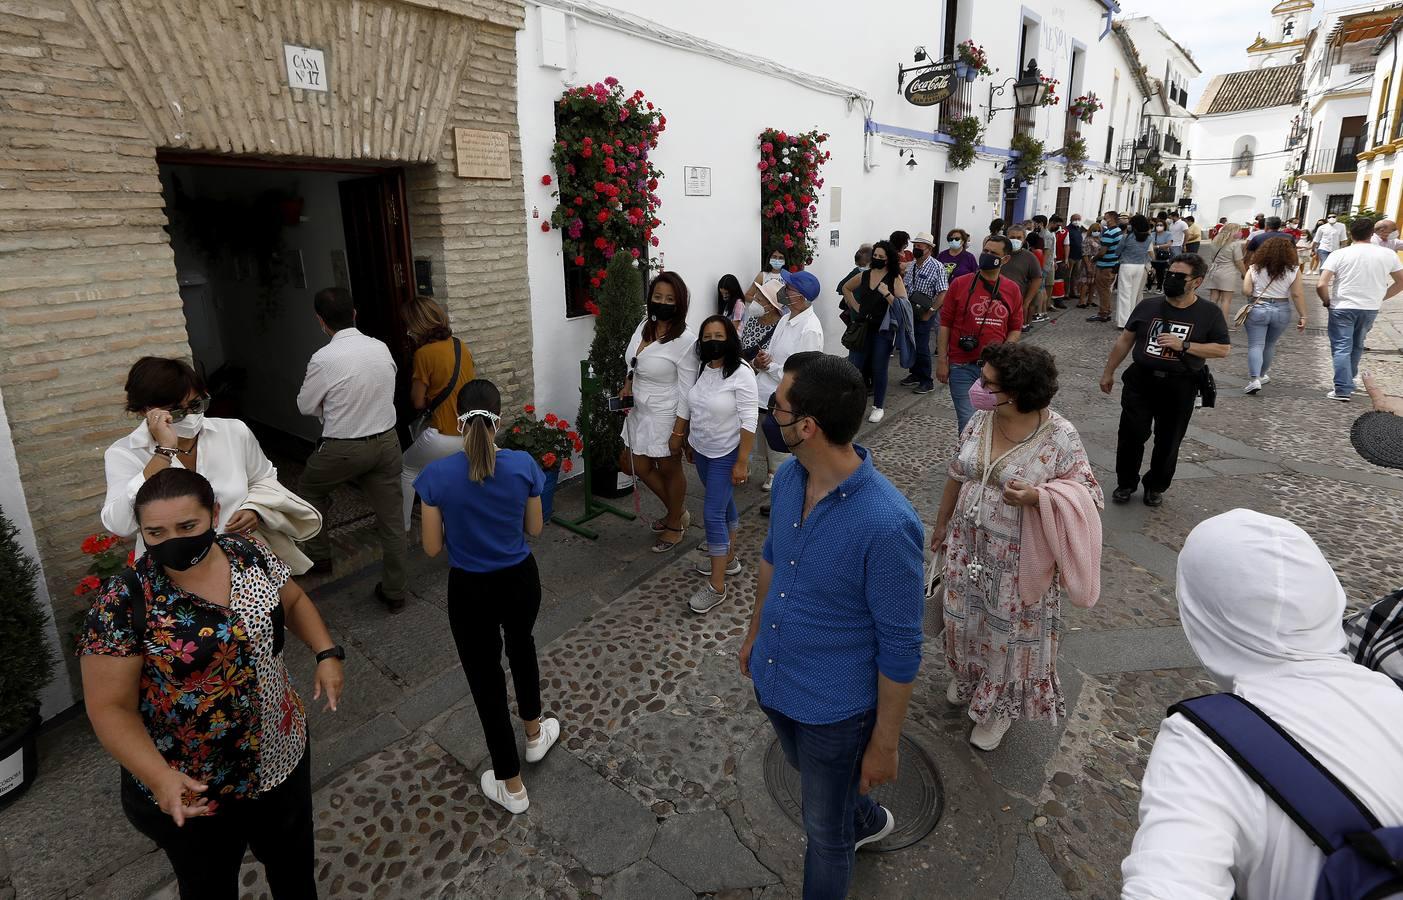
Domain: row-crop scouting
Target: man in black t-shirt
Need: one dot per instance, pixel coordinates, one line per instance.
(1171, 338)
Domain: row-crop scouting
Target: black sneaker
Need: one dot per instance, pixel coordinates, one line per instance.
(1153, 498)
(393, 604)
(1041, 317)
(877, 830)
(1098, 318)
(1028, 327)
(924, 388)
(910, 381)
(1123, 495)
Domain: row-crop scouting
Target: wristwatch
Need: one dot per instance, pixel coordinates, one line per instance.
(1186, 346)
(336, 652)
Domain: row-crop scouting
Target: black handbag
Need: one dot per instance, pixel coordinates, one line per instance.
(1207, 387)
(921, 303)
(855, 337)
(420, 423)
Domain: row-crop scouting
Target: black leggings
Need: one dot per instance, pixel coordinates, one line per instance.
(207, 851)
(482, 608)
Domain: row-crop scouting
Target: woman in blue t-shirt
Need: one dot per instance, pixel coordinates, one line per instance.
(482, 503)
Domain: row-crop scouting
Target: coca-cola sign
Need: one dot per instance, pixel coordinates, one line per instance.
(931, 86)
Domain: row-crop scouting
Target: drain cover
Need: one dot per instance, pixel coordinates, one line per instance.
(916, 798)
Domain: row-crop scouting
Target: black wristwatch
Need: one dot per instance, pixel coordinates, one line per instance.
(336, 652)
(1186, 347)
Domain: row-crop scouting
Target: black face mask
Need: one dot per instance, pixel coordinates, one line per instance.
(989, 261)
(662, 312)
(181, 553)
(712, 350)
(1175, 284)
(879, 263)
(919, 252)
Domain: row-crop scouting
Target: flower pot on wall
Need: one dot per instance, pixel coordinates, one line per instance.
(965, 70)
(19, 761)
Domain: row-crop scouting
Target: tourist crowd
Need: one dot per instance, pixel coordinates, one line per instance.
(182, 654)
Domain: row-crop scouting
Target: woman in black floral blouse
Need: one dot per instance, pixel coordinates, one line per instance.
(187, 688)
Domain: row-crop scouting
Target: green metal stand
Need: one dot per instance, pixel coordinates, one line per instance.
(594, 507)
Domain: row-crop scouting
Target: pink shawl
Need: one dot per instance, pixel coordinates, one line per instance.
(1063, 532)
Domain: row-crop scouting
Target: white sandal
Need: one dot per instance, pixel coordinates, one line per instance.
(549, 734)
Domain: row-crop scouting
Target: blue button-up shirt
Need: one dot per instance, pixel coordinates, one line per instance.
(847, 597)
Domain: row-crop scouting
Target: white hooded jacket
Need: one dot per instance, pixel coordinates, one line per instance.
(1262, 610)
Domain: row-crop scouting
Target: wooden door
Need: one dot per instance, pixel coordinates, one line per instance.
(937, 213)
(1064, 201)
(378, 257)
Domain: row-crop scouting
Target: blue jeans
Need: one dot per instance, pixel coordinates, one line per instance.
(1265, 324)
(878, 350)
(1347, 329)
(829, 760)
(921, 368)
(962, 377)
(719, 507)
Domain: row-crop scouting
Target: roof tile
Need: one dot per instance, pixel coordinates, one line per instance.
(1253, 89)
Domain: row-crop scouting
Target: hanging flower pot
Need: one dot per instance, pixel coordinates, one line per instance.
(964, 70)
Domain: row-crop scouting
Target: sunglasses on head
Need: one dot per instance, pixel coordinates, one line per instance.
(196, 407)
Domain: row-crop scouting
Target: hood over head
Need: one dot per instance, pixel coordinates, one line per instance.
(1255, 592)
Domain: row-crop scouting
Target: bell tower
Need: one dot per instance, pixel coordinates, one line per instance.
(1286, 40)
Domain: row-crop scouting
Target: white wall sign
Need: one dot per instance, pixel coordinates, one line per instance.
(833, 237)
(996, 187)
(697, 180)
(306, 68)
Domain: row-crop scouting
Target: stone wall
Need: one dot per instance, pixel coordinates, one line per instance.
(90, 90)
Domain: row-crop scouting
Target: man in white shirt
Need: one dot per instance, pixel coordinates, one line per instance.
(799, 329)
(1261, 608)
(1386, 234)
(1328, 238)
(1177, 229)
(350, 387)
(1354, 283)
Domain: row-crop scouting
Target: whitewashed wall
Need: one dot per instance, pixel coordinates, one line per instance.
(715, 110)
(1218, 191)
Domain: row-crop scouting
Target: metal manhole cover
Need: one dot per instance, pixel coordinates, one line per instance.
(916, 798)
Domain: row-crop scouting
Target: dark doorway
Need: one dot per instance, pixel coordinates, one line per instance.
(379, 260)
(1064, 201)
(937, 213)
(1351, 142)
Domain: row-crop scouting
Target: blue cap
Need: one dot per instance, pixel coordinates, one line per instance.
(805, 283)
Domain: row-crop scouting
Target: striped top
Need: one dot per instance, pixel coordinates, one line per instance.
(1110, 242)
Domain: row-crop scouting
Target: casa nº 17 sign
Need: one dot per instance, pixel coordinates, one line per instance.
(931, 86)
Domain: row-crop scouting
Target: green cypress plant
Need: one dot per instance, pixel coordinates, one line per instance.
(620, 302)
(26, 661)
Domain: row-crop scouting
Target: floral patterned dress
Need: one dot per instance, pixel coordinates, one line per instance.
(1001, 652)
(215, 694)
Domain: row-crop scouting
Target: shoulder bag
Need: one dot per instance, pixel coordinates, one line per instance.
(420, 423)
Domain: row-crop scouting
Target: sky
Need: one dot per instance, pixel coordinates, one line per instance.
(1215, 32)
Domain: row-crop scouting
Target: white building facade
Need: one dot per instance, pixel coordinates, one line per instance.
(1376, 186)
(1168, 124)
(721, 78)
(1242, 166)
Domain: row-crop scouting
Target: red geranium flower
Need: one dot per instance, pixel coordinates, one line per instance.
(90, 544)
(529, 409)
(548, 460)
(87, 585)
(551, 419)
(545, 179)
(591, 307)
(579, 260)
(563, 425)
(545, 226)
(567, 466)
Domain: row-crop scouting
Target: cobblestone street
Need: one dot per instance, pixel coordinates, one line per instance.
(658, 787)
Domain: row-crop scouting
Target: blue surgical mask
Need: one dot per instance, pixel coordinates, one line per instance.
(954, 245)
(776, 264)
(1017, 244)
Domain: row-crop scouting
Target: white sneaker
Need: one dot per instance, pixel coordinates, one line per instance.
(1253, 386)
(769, 480)
(1334, 396)
(876, 416)
(703, 566)
(988, 737)
(705, 599)
(497, 792)
(550, 733)
(1264, 379)
(952, 693)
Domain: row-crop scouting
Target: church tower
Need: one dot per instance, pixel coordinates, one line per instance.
(1287, 41)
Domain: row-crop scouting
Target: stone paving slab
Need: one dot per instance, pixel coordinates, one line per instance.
(606, 829)
(701, 850)
(1128, 650)
(645, 881)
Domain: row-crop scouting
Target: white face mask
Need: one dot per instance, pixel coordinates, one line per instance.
(756, 308)
(189, 426)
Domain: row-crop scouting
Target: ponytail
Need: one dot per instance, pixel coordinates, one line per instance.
(478, 444)
(479, 410)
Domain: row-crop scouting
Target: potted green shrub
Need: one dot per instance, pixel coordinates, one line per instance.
(620, 309)
(967, 133)
(26, 664)
(549, 441)
(1028, 164)
(1075, 154)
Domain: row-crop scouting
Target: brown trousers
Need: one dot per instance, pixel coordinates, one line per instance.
(1104, 298)
(373, 465)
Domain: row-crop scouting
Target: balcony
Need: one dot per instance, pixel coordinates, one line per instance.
(956, 106)
(1328, 165)
(1381, 131)
(1173, 145)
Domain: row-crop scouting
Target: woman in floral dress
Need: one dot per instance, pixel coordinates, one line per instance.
(1002, 652)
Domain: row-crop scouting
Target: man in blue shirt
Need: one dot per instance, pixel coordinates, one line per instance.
(835, 640)
(1107, 266)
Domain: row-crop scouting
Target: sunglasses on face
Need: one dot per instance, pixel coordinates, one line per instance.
(195, 408)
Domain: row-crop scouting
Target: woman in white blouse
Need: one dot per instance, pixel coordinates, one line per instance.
(1273, 282)
(170, 397)
(662, 366)
(717, 417)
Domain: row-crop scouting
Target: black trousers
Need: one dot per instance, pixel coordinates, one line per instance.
(1164, 403)
(207, 851)
(484, 608)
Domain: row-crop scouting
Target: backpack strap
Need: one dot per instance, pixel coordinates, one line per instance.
(1305, 790)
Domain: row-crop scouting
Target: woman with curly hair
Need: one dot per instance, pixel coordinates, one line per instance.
(1003, 612)
(1273, 281)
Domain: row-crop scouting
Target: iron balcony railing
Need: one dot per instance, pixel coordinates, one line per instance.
(1328, 161)
(957, 106)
